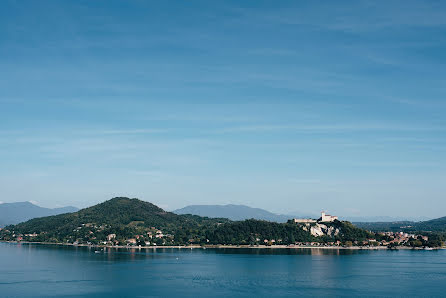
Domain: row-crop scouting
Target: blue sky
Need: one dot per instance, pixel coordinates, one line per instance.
(291, 106)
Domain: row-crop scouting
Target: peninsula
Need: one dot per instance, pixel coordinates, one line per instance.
(131, 222)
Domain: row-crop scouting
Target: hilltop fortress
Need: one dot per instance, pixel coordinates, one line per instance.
(324, 218)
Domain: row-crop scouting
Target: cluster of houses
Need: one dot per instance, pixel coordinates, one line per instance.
(400, 238)
(151, 237)
(87, 233)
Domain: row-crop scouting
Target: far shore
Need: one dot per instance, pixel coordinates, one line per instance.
(227, 246)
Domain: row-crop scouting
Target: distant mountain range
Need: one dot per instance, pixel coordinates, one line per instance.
(14, 213)
(125, 221)
(384, 218)
(242, 212)
(235, 212)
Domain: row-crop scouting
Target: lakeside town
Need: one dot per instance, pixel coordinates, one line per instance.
(324, 231)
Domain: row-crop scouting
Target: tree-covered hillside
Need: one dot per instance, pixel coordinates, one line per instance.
(260, 232)
(253, 231)
(124, 221)
(121, 216)
(438, 225)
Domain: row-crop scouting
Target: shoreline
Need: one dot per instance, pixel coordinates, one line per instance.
(228, 246)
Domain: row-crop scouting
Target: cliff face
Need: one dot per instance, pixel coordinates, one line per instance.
(320, 229)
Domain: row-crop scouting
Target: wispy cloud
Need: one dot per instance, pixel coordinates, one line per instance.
(393, 164)
(358, 16)
(305, 181)
(423, 103)
(327, 128)
(148, 173)
(130, 131)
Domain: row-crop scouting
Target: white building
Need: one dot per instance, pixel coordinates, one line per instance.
(327, 217)
(324, 218)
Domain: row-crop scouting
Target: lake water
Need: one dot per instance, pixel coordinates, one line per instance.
(49, 270)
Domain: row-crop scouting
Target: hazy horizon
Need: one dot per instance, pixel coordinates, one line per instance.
(289, 107)
(291, 214)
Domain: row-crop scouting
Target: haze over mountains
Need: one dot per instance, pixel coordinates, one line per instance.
(242, 212)
(386, 218)
(126, 218)
(374, 223)
(122, 220)
(233, 212)
(437, 224)
(14, 213)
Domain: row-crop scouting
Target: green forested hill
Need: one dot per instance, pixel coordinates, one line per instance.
(253, 231)
(438, 224)
(135, 219)
(117, 211)
(122, 216)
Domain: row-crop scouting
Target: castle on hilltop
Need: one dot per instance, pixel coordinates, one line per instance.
(324, 218)
(327, 218)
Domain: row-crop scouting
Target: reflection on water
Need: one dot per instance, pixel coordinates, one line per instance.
(286, 251)
(51, 270)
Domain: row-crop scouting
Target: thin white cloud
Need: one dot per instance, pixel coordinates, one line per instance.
(358, 18)
(306, 181)
(326, 128)
(392, 164)
(131, 131)
(426, 103)
(148, 173)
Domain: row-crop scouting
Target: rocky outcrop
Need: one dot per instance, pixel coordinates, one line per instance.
(320, 229)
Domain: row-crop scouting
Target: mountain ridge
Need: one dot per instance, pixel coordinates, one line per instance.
(235, 212)
(242, 212)
(435, 225)
(17, 212)
(120, 216)
(121, 221)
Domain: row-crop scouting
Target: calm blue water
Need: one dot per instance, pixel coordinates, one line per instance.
(43, 270)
